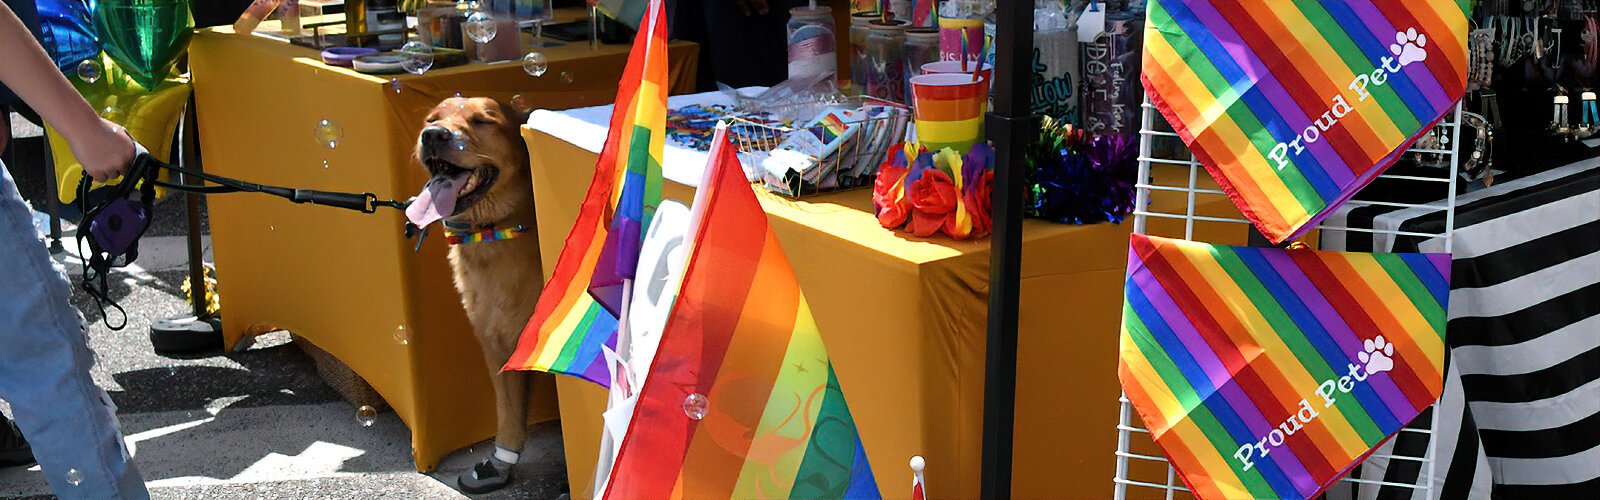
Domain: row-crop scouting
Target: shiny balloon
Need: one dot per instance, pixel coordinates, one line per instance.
(145, 37)
(67, 29)
(149, 115)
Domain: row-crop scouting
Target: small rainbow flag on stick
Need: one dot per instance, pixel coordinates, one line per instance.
(1269, 373)
(569, 325)
(1294, 106)
(742, 400)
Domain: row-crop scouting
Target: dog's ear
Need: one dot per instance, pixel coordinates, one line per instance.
(513, 116)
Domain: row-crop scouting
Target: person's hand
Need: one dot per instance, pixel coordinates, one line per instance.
(105, 152)
(752, 7)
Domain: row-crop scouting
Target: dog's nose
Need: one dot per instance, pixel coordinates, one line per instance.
(435, 136)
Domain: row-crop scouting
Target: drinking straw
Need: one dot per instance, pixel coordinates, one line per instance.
(983, 55)
(963, 48)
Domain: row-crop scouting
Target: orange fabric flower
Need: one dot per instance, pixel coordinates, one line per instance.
(933, 202)
(889, 198)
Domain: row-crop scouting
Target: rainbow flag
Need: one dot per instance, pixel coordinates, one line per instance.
(641, 176)
(830, 128)
(1269, 373)
(742, 400)
(569, 325)
(1295, 106)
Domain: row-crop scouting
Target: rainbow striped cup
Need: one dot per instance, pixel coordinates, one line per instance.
(949, 110)
(956, 67)
(987, 72)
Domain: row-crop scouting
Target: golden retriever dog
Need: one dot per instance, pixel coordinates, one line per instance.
(480, 184)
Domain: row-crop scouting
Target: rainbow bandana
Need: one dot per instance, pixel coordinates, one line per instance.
(455, 237)
(1295, 106)
(1269, 373)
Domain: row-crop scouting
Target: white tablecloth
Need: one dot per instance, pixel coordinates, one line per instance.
(586, 128)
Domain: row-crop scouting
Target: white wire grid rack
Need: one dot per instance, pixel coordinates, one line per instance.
(1175, 199)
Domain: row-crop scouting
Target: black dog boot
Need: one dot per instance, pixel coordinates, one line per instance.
(13, 449)
(491, 474)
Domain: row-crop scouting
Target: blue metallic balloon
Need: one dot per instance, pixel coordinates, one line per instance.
(68, 31)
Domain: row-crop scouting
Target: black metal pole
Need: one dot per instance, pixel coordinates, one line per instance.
(52, 201)
(1011, 125)
(186, 157)
(201, 332)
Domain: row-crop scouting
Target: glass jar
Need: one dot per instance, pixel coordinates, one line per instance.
(858, 53)
(922, 47)
(885, 75)
(811, 42)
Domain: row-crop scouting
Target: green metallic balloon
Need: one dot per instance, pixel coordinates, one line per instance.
(145, 37)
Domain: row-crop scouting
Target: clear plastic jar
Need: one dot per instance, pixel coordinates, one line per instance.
(811, 42)
(885, 75)
(858, 52)
(922, 47)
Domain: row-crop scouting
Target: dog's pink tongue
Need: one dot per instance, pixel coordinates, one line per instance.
(436, 201)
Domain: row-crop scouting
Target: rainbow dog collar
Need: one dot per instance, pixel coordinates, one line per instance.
(454, 237)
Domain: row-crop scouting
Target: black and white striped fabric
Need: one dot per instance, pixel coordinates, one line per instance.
(1520, 417)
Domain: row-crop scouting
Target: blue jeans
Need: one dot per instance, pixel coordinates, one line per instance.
(44, 367)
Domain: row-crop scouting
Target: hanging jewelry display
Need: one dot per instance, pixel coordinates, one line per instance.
(1480, 69)
(1478, 167)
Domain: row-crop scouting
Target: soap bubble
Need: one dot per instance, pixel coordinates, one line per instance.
(535, 63)
(459, 140)
(419, 57)
(567, 78)
(402, 335)
(695, 406)
(394, 85)
(367, 415)
(74, 477)
(520, 104)
(89, 71)
(112, 113)
(329, 133)
(480, 27)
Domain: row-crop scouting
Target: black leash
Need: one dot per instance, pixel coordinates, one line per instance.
(111, 229)
(361, 202)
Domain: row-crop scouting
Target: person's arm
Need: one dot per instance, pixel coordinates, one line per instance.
(104, 149)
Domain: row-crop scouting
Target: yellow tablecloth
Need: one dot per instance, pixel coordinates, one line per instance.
(346, 281)
(904, 321)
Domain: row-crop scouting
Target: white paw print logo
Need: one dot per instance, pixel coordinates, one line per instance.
(1378, 355)
(1408, 46)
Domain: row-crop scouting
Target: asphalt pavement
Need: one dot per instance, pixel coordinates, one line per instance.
(256, 423)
